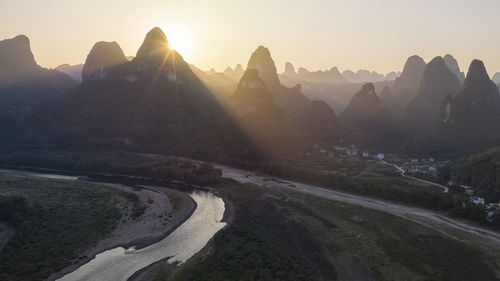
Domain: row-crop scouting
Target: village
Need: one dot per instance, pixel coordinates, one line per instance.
(422, 169)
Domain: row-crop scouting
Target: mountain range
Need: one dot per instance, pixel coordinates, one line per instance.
(157, 102)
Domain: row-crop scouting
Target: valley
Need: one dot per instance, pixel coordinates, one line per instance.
(265, 140)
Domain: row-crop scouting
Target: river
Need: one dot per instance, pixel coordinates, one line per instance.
(180, 245)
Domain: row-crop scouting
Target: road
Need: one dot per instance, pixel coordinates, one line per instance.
(403, 173)
(487, 239)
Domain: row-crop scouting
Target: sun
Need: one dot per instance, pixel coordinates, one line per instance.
(180, 38)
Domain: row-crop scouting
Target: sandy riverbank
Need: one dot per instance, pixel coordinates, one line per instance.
(157, 222)
(152, 271)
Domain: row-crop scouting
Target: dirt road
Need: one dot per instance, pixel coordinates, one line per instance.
(484, 238)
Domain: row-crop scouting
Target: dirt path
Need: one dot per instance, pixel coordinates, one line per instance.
(403, 173)
(486, 239)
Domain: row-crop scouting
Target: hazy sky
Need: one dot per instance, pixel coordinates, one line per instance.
(317, 34)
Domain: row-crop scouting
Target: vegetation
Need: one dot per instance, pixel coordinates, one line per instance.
(118, 162)
(482, 172)
(54, 222)
(298, 237)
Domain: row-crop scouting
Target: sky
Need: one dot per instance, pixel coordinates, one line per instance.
(317, 34)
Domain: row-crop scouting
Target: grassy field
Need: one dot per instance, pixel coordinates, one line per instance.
(297, 237)
(54, 222)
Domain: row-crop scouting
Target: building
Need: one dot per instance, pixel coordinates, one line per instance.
(414, 160)
(366, 154)
(478, 200)
(380, 156)
(431, 159)
(322, 150)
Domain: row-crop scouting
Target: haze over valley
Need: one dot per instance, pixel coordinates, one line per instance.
(221, 147)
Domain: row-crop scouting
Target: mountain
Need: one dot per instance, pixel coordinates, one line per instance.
(469, 121)
(102, 57)
(153, 103)
(438, 82)
(289, 99)
(406, 85)
(317, 123)
(260, 118)
(386, 97)
(367, 118)
(362, 76)
(289, 69)
(23, 83)
(300, 111)
(73, 71)
(496, 78)
(476, 107)
(452, 64)
(328, 76)
(235, 73)
(392, 75)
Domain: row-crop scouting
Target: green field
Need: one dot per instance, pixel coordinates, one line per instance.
(298, 237)
(54, 222)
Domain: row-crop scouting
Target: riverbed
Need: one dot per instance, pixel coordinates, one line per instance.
(189, 238)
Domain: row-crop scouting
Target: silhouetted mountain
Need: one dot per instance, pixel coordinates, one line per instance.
(260, 118)
(289, 99)
(262, 61)
(452, 64)
(392, 75)
(219, 83)
(317, 123)
(362, 76)
(368, 120)
(73, 71)
(438, 82)
(289, 69)
(234, 74)
(153, 103)
(407, 84)
(299, 109)
(496, 78)
(386, 97)
(476, 108)
(102, 57)
(23, 83)
(468, 122)
(328, 76)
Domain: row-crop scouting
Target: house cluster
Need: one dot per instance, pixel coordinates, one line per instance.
(491, 208)
(352, 150)
(424, 166)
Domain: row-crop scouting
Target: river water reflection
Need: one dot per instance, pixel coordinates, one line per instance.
(185, 241)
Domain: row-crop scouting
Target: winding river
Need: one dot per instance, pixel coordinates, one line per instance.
(119, 264)
(179, 246)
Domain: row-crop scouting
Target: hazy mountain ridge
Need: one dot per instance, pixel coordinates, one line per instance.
(153, 103)
(23, 83)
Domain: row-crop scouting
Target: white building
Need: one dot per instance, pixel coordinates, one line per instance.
(478, 200)
(366, 154)
(380, 156)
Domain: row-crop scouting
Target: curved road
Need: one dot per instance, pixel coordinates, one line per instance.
(487, 239)
(403, 173)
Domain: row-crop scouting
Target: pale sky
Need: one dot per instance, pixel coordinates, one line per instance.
(316, 34)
